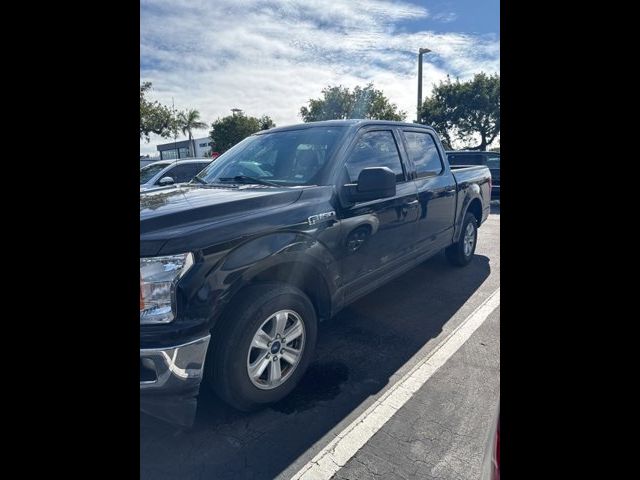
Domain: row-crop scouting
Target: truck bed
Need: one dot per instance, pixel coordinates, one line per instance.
(466, 173)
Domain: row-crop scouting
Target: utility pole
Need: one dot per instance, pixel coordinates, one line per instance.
(420, 52)
(175, 132)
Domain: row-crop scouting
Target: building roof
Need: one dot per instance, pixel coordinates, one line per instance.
(181, 144)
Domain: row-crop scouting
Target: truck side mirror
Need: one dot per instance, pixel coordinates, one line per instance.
(373, 183)
(166, 181)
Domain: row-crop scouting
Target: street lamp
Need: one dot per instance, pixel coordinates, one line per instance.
(420, 52)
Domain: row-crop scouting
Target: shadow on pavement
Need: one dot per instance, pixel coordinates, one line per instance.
(358, 351)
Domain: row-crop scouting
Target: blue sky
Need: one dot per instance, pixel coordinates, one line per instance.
(465, 16)
(271, 56)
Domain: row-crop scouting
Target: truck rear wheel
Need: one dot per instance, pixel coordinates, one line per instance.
(461, 252)
(263, 347)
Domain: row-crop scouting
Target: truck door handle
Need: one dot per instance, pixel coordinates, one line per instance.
(412, 203)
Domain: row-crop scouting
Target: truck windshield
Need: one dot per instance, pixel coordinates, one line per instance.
(286, 158)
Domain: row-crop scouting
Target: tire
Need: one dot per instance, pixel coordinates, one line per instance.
(456, 253)
(233, 353)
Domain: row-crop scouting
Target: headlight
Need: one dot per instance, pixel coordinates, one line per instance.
(158, 278)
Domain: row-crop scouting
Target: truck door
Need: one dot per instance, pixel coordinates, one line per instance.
(436, 188)
(378, 234)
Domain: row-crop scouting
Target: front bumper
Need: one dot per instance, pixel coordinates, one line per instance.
(170, 380)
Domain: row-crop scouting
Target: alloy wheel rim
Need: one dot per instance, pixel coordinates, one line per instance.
(276, 349)
(469, 239)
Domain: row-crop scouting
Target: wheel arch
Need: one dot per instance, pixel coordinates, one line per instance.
(473, 205)
(305, 264)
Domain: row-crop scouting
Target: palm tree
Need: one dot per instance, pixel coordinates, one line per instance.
(188, 121)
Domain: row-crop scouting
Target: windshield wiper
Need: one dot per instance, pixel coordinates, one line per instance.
(247, 179)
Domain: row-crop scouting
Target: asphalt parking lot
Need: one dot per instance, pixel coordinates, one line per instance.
(440, 432)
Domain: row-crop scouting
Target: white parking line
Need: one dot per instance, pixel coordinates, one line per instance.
(336, 454)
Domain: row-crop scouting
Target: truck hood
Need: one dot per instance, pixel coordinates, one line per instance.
(179, 211)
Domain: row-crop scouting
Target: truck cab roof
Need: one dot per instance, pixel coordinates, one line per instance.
(355, 122)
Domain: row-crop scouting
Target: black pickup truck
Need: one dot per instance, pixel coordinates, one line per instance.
(238, 267)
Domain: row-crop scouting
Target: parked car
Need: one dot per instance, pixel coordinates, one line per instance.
(147, 161)
(282, 231)
(169, 172)
(474, 157)
(491, 460)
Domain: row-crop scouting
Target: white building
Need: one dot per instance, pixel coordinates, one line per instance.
(173, 150)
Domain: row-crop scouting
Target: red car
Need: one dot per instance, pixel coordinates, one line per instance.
(491, 463)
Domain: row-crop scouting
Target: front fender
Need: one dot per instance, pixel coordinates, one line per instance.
(300, 253)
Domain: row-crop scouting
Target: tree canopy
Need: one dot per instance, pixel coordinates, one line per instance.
(465, 111)
(155, 117)
(189, 120)
(338, 103)
(229, 130)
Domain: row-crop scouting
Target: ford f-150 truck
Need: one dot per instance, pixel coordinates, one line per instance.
(238, 267)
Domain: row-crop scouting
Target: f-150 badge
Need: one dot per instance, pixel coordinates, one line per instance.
(321, 217)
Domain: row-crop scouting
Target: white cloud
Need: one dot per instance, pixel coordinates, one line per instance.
(270, 57)
(445, 17)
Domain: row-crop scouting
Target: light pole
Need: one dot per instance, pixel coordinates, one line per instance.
(420, 52)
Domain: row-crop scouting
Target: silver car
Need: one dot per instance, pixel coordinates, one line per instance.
(168, 172)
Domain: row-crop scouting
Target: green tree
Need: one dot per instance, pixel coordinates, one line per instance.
(266, 123)
(339, 103)
(188, 121)
(465, 110)
(155, 117)
(227, 131)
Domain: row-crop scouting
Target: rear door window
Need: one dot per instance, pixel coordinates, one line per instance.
(423, 152)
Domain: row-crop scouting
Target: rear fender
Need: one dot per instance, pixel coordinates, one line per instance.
(471, 193)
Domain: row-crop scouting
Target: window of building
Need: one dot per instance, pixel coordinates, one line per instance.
(375, 149)
(169, 154)
(423, 153)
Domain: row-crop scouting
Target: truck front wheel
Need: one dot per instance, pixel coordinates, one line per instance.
(461, 252)
(264, 345)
